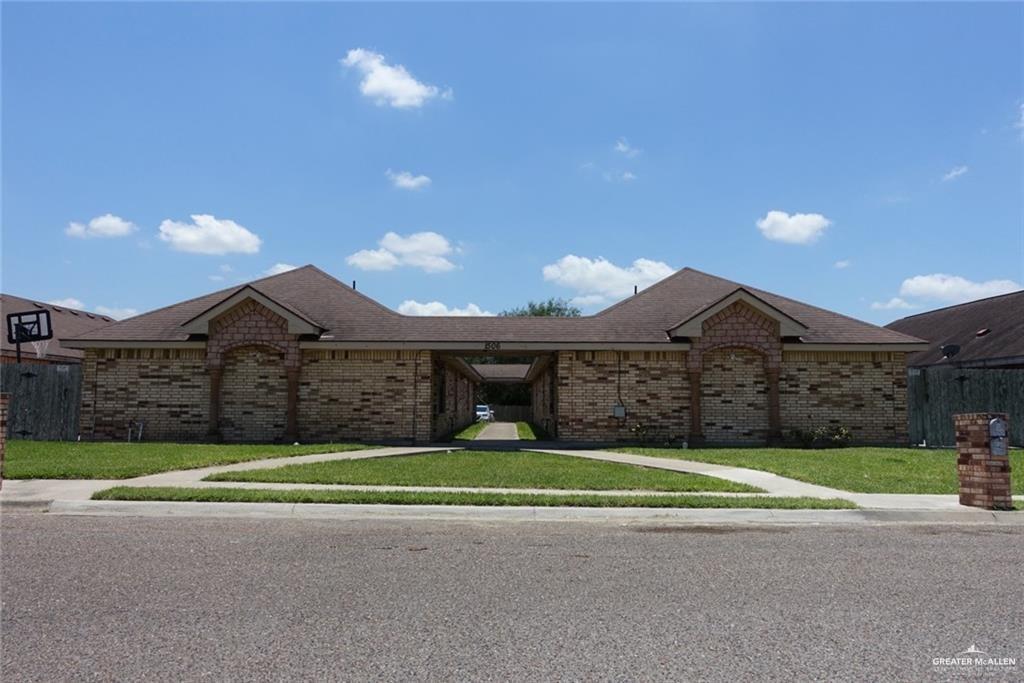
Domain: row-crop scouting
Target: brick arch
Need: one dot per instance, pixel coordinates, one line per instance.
(734, 394)
(228, 348)
(254, 393)
(739, 326)
(756, 348)
(251, 324)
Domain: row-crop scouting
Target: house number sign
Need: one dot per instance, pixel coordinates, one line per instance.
(492, 346)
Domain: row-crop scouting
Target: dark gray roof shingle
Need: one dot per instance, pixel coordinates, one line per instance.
(351, 316)
(1002, 315)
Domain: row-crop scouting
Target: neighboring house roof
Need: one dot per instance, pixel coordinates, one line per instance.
(1002, 315)
(66, 323)
(502, 372)
(350, 316)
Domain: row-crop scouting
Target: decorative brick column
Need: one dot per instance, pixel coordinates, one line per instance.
(774, 413)
(291, 429)
(216, 374)
(696, 437)
(984, 477)
(3, 433)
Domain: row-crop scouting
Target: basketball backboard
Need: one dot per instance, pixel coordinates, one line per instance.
(28, 326)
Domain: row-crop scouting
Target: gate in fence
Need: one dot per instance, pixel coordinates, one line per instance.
(44, 400)
(935, 394)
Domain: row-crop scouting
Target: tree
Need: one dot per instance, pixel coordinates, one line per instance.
(552, 308)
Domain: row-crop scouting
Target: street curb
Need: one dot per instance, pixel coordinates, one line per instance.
(25, 505)
(466, 513)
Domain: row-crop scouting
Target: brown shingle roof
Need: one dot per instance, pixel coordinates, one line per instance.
(350, 316)
(67, 323)
(1002, 315)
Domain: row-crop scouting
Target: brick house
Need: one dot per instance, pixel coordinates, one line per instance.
(302, 356)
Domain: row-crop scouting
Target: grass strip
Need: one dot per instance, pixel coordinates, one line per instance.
(525, 431)
(120, 460)
(234, 495)
(470, 432)
(489, 469)
(859, 469)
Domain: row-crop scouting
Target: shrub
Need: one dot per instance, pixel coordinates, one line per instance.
(640, 431)
(827, 436)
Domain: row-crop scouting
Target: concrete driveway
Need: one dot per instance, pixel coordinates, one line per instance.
(499, 431)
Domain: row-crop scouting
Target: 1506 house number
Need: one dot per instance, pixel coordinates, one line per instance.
(492, 346)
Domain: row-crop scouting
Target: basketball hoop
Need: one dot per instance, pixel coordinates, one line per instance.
(40, 346)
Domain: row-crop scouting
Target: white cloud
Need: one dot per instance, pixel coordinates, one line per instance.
(279, 268)
(588, 300)
(373, 259)
(225, 268)
(623, 147)
(628, 176)
(107, 225)
(216, 278)
(116, 313)
(800, 228)
(208, 235)
(891, 304)
(69, 302)
(390, 84)
(844, 263)
(594, 278)
(413, 307)
(427, 251)
(407, 181)
(953, 288)
(954, 172)
(1019, 124)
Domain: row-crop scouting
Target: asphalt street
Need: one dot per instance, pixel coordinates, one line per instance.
(121, 598)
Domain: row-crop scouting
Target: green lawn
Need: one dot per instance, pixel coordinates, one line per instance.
(470, 432)
(489, 469)
(863, 470)
(223, 495)
(116, 460)
(525, 431)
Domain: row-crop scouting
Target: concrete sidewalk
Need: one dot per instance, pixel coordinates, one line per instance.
(772, 483)
(498, 431)
(39, 493)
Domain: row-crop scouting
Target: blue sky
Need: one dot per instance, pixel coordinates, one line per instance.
(864, 158)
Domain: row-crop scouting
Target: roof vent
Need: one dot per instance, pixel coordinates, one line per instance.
(950, 350)
(58, 309)
(90, 315)
(72, 312)
(982, 332)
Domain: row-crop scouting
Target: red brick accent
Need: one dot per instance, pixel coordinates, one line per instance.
(738, 325)
(984, 478)
(250, 324)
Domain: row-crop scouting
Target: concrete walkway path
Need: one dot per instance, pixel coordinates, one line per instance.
(499, 431)
(771, 483)
(777, 485)
(40, 492)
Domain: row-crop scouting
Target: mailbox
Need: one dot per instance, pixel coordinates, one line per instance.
(998, 441)
(619, 411)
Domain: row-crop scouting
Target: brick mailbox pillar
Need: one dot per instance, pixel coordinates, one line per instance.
(983, 461)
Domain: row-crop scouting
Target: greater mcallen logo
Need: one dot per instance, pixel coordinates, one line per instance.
(973, 658)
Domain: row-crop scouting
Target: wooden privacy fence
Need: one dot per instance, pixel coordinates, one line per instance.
(512, 413)
(935, 394)
(44, 401)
